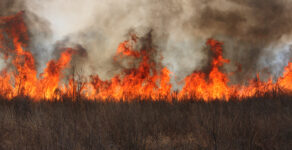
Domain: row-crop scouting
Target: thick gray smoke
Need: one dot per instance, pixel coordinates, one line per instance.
(10, 6)
(256, 33)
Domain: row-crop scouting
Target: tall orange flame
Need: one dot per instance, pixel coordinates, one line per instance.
(148, 80)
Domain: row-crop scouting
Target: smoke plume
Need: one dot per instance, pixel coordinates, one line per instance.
(256, 34)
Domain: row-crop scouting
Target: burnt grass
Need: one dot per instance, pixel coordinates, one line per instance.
(255, 123)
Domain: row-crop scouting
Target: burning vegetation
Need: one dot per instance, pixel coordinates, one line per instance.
(147, 79)
(145, 103)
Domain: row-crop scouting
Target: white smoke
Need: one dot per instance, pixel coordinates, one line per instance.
(99, 26)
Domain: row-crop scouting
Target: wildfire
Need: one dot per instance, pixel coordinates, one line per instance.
(148, 80)
(215, 86)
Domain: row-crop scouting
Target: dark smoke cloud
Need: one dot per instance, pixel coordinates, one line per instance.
(248, 28)
(10, 6)
(260, 21)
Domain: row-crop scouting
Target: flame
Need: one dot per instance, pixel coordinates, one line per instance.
(23, 79)
(53, 74)
(215, 86)
(148, 80)
(143, 82)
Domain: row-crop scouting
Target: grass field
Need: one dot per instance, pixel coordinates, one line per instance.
(258, 123)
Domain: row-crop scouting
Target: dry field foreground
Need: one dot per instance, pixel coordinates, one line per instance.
(259, 123)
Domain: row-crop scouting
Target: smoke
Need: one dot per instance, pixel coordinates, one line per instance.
(256, 34)
(10, 6)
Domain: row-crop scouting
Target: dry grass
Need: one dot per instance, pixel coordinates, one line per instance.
(259, 123)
